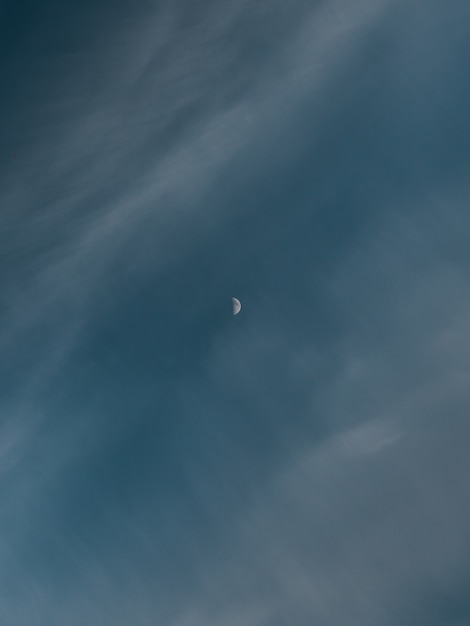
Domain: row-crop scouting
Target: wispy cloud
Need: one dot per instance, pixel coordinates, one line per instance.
(312, 469)
(114, 168)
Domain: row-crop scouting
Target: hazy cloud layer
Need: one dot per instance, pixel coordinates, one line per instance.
(304, 462)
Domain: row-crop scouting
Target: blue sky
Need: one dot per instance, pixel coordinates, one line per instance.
(305, 462)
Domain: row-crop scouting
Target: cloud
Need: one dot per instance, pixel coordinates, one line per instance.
(100, 173)
(351, 538)
(361, 520)
(115, 140)
(312, 467)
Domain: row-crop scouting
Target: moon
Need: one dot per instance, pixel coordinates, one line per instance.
(236, 306)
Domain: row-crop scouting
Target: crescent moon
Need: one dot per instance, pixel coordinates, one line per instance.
(236, 306)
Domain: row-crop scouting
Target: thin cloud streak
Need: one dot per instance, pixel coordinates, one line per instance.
(357, 475)
(85, 252)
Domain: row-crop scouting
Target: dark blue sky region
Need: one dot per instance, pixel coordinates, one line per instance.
(305, 462)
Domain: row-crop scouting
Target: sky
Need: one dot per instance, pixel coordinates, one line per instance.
(305, 462)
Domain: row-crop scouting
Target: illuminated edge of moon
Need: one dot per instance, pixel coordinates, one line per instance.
(236, 306)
